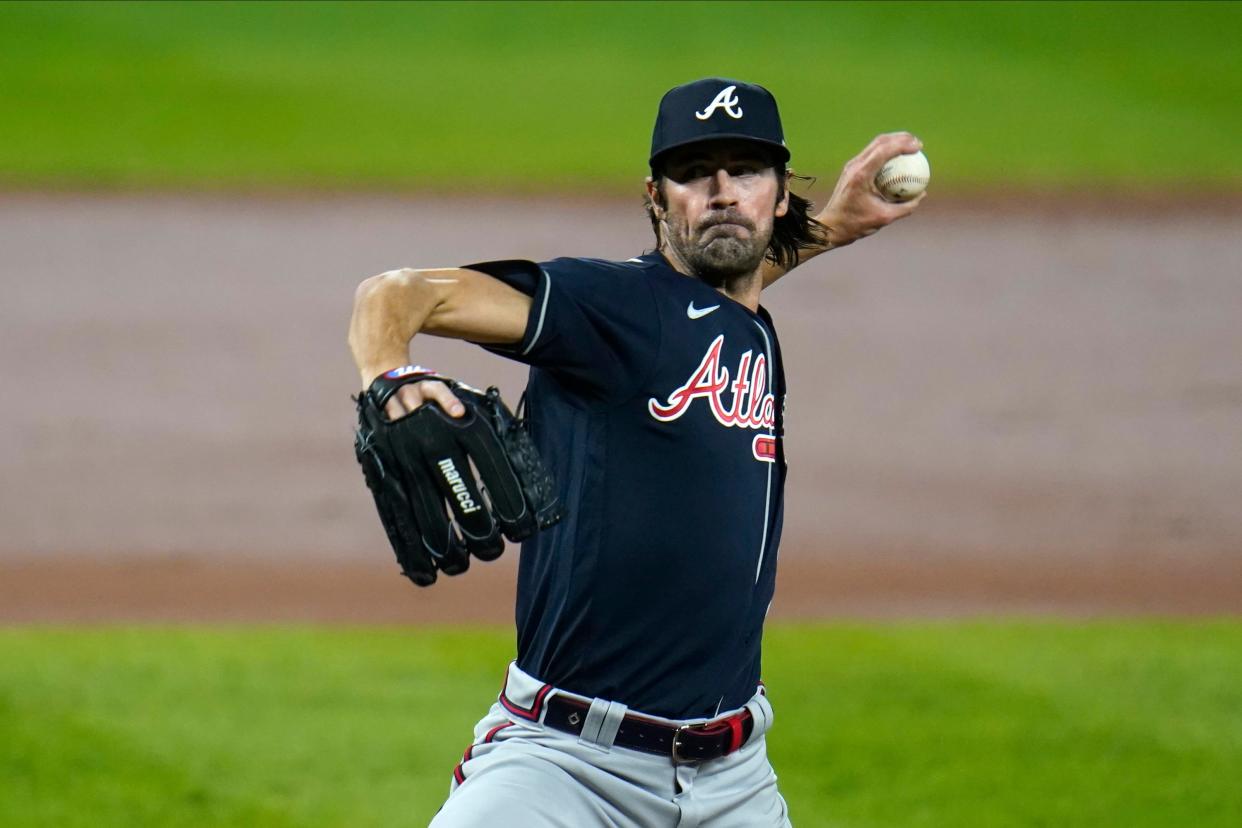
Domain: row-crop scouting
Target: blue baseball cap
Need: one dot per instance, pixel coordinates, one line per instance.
(713, 109)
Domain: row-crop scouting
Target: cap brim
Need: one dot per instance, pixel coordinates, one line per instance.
(782, 152)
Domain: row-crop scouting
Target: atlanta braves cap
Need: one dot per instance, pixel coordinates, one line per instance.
(715, 108)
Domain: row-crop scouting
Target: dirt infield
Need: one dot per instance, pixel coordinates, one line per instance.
(201, 590)
(991, 409)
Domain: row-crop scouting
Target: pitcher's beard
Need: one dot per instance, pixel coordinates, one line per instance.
(724, 260)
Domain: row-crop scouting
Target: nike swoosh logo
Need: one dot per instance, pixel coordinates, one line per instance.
(698, 313)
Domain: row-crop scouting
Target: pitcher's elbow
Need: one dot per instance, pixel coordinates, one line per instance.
(373, 287)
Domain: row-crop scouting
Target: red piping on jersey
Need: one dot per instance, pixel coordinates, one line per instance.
(535, 709)
(460, 775)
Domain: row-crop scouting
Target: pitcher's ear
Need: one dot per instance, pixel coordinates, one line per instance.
(655, 194)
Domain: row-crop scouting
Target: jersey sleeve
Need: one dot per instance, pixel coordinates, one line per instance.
(593, 324)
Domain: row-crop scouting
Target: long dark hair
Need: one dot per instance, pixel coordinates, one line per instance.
(791, 233)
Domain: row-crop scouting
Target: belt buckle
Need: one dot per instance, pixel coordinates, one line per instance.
(678, 759)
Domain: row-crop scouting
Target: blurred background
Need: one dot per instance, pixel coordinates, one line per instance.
(1014, 420)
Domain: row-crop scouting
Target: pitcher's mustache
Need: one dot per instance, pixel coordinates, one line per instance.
(724, 218)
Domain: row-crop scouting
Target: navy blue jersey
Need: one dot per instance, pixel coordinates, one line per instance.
(657, 402)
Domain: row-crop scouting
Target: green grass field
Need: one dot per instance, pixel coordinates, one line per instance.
(560, 97)
(934, 724)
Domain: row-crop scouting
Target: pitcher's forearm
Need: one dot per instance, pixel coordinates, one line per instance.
(389, 309)
(856, 209)
(771, 271)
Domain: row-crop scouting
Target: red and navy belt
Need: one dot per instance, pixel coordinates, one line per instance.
(684, 743)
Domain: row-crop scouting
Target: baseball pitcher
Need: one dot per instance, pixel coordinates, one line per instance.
(645, 477)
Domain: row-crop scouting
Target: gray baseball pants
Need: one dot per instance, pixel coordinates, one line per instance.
(520, 774)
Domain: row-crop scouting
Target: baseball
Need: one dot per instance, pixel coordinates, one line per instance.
(903, 177)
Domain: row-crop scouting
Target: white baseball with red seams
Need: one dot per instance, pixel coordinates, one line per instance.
(903, 177)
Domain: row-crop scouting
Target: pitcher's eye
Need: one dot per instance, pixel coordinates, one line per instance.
(688, 173)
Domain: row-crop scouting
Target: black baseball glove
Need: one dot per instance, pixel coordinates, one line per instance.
(414, 464)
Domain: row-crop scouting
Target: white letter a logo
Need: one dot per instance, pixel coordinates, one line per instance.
(726, 100)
